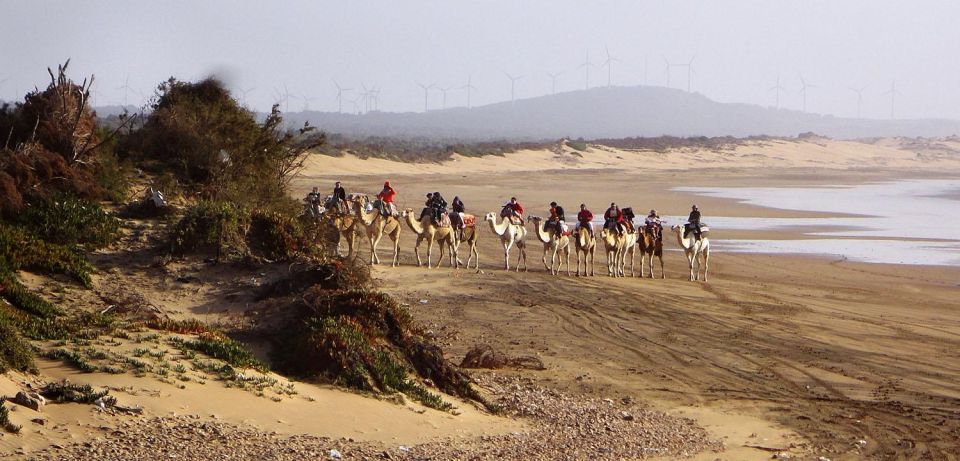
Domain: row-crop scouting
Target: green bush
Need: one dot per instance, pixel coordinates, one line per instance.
(364, 340)
(66, 220)
(216, 147)
(75, 393)
(20, 297)
(15, 353)
(218, 226)
(578, 144)
(221, 347)
(21, 250)
(5, 420)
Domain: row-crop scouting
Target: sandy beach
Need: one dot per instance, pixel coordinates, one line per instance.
(776, 354)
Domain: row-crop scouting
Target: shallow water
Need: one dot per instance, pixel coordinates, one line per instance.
(923, 211)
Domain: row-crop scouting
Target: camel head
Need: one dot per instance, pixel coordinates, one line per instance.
(491, 216)
(534, 219)
(676, 228)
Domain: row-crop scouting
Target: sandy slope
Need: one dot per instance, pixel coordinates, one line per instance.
(817, 153)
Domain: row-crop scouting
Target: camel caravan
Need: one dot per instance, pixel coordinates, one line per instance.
(453, 230)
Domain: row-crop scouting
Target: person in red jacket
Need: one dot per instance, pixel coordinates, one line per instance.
(386, 196)
(513, 210)
(585, 219)
(613, 218)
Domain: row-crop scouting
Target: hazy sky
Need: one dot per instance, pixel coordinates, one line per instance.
(740, 48)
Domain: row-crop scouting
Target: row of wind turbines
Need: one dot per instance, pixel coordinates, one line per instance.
(367, 99)
(669, 69)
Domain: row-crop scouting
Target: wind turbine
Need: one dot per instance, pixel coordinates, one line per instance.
(586, 65)
(468, 87)
(859, 92)
(426, 93)
(306, 102)
(689, 66)
(444, 91)
(284, 97)
(340, 91)
(893, 96)
(803, 91)
(553, 81)
(667, 67)
(126, 90)
(778, 88)
(244, 93)
(375, 98)
(367, 96)
(513, 82)
(609, 64)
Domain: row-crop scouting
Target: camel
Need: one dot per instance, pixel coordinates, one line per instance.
(470, 236)
(427, 230)
(510, 234)
(586, 247)
(697, 252)
(650, 247)
(376, 225)
(614, 245)
(630, 239)
(556, 246)
(346, 231)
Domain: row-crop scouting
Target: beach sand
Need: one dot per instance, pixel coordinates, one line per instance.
(806, 356)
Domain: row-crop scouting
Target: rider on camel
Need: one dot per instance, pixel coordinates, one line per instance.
(654, 224)
(386, 198)
(693, 223)
(458, 215)
(313, 201)
(439, 207)
(585, 219)
(513, 210)
(340, 198)
(613, 219)
(557, 220)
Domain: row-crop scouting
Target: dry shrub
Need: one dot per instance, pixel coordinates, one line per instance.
(364, 340)
(485, 356)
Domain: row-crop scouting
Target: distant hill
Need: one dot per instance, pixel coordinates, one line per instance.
(615, 112)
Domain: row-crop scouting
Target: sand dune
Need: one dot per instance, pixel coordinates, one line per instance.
(817, 153)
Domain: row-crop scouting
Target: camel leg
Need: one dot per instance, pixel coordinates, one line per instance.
(506, 255)
(544, 257)
(396, 250)
(663, 275)
(706, 260)
(374, 241)
(523, 256)
(690, 260)
(416, 251)
(567, 254)
(430, 254)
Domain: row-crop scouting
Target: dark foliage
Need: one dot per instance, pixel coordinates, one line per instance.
(216, 147)
(665, 143)
(66, 392)
(418, 149)
(364, 340)
(219, 346)
(66, 220)
(15, 353)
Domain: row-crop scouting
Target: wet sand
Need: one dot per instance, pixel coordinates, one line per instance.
(809, 355)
